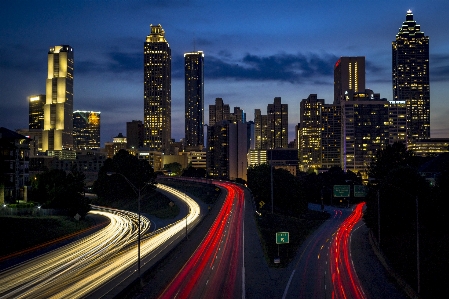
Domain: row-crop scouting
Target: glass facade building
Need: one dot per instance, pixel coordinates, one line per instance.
(410, 70)
(194, 98)
(86, 129)
(157, 90)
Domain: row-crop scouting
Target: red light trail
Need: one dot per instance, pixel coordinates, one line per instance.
(344, 279)
(215, 268)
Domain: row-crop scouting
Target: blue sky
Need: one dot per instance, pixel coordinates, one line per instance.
(254, 51)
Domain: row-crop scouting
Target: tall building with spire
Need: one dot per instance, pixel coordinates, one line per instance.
(194, 98)
(157, 90)
(410, 72)
(58, 108)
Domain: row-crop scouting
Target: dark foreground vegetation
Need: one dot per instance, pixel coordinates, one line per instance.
(299, 229)
(122, 179)
(207, 193)
(20, 233)
(289, 212)
(407, 215)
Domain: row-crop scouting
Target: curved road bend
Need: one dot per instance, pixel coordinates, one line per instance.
(81, 268)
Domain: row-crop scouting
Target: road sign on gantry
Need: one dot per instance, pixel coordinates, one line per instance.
(282, 238)
(342, 190)
(359, 191)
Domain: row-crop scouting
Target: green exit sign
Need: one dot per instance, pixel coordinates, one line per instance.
(282, 238)
(359, 191)
(342, 190)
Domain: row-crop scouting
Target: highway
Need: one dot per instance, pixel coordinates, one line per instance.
(216, 268)
(325, 268)
(109, 256)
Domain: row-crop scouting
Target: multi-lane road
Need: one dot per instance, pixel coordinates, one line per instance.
(215, 270)
(81, 268)
(93, 266)
(324, 268)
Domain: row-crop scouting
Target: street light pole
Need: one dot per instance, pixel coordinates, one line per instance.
(417, 247)
(138, 238)
(271, 180)
(136, 190)
(378, 217)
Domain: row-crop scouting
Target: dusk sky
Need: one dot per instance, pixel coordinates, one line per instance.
(254, 51)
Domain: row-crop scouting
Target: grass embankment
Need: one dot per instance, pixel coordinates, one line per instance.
(20, 233)
(152, 202)
(298, 228)
(208, 193)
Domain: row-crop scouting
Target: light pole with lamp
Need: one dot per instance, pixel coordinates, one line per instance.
(137, 191)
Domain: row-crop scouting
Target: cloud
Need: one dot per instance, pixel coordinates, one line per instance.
(113, 63)
(293, 68)
(22, 57)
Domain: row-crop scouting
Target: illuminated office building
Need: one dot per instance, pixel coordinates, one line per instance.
(331, 135)
(134, 134)
(157, 90)
(260, 130)
(226, 156)
(36, 111)
(410, 72)
(277, 121)
(365, 129)
(194, 98)
(219, 112)
(86, 129)
(58, 108)
(397, 114)
(310, 153)
(349, 74)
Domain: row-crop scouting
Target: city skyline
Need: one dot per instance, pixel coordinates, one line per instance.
(286, 51)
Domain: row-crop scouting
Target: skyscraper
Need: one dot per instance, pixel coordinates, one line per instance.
(411, 77)
(219, 112)
(365, 130)
(310, 153)
(194, 98)
(134, 134)
(157, 90)
(86, 129)
(331, 136)
(260, 130)
(58, 108)
(36, 111)
(277, 120)
(349, 74)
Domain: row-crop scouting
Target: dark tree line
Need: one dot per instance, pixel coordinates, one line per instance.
(111, 184)
(401, 205)
(56, 189)
(288, 195)
(291, 194)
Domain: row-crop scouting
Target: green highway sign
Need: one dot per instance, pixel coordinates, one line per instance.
(282, 237)
(342, 190)
(359, 191)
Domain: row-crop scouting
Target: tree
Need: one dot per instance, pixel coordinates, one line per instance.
(194, 172)
(113, 187)
(393, 156)
(287, 194)
(57, 189)
(175, 168)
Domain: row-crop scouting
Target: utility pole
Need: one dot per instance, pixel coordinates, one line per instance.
(271, 179)
(417, 247)
(378, 217)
